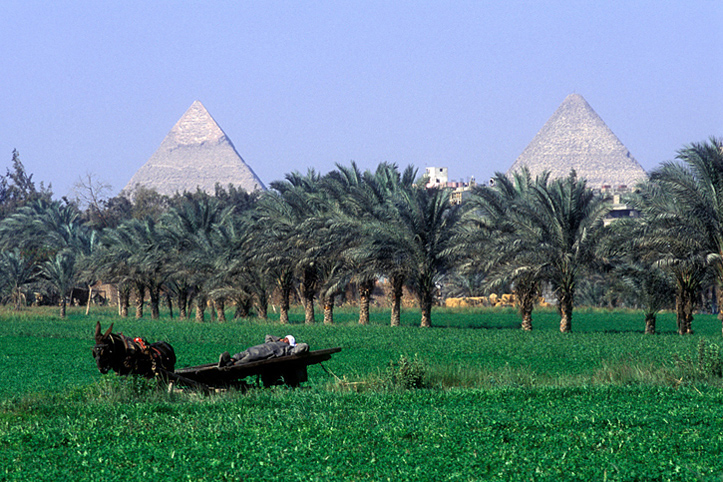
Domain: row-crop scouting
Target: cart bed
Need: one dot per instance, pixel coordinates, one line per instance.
(288, 370)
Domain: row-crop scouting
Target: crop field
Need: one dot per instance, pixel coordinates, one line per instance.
(471, 399)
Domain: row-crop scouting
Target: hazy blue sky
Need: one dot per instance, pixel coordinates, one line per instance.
(94, 87)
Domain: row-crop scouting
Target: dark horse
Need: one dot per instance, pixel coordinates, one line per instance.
(124, 355)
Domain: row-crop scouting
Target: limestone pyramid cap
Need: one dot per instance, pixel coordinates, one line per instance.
(196, 126)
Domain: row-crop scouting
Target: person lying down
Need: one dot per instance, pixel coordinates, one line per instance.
(272, 347)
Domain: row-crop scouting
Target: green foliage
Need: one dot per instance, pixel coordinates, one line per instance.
(603, 403)
(709, 360)
(113, 389)
(17, 188)
(705, 365)
(406, 374)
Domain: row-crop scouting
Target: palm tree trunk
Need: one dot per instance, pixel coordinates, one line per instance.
(683, 314)
(527, 320)
(221, 309)
(565, 306)
(425, 304)
(243, 306)
(124, 295)
(308, 290)
(155, 295)
(140, 298)
(649, 323)
(262, 309)
(200, 309)
(284, 308)
(397, 292)
(365, 290)
(182, 304)
(62, 306)
(169, 303)
(308, 310)
(689, 309)
(425, 296)
(262, 305)
(526, 293)
(328, 309)
(17, 296)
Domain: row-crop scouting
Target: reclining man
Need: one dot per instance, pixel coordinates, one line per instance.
(272, 347)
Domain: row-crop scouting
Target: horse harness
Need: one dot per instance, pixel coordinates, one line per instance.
(130, 355)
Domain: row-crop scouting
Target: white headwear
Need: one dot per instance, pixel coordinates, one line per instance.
(291, 340)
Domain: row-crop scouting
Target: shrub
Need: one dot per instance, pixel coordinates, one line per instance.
(406, 374)
(705, 365)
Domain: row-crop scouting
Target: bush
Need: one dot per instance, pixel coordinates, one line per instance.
(406, 374)
(706, 365)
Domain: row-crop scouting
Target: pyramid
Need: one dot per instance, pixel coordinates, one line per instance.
(575, 137)
(196, 153)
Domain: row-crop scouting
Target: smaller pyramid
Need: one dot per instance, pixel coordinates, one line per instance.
(195, 154)
(575, 137)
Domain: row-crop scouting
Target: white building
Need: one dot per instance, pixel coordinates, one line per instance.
(437, 176)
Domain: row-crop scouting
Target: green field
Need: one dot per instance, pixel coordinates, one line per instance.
(602, 403)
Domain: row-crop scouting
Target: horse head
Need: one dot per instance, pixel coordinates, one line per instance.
(104, 349)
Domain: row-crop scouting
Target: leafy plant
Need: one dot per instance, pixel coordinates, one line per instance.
(710, 364)
(113, 388)
(406, 374)
(706, 364)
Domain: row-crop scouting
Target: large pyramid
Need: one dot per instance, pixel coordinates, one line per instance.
(196, 153)
(575, 137)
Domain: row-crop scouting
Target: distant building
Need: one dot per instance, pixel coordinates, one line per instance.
(437, 176)
(460, 190)
(620, 210)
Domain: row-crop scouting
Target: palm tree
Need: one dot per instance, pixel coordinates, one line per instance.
(53, 235)
(365, 205)
(198, 242)
(693, 189)
(18, 271)
(551, 235)
(244, 265)
(671, 239)
(396, 265)
(289, 217)
(430, 222)
(638, 267)
(110, 262)
(401, 231)
(566, 222)
(137, 252)
(491, 242)
(354, 200)
(61, 274)
(418, 235)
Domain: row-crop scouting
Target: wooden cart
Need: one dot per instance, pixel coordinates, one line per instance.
(287, 370)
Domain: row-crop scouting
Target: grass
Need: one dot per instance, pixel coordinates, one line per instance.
(602, 403)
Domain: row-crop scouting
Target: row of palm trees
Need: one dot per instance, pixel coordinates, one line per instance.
(316, 235)
(539, 232)
(312, 235)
